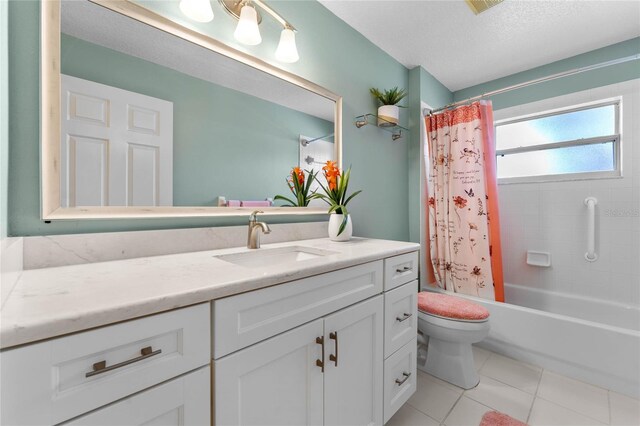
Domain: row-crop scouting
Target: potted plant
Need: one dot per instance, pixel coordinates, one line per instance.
(389, 110)
(336, 195)
(299, 185)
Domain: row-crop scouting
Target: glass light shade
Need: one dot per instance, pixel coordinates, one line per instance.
(247, 31)
(198, 10)
(287, 50)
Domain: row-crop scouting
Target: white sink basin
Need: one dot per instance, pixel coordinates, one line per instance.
(276, 256)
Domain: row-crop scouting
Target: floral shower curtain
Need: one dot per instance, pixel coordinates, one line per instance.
(463, 223)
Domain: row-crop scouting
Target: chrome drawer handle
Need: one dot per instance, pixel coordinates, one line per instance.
(101, 367)
(406, 377)
(405, 269)
(405, 317)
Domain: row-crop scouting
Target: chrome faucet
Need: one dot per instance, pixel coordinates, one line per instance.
(253, 239)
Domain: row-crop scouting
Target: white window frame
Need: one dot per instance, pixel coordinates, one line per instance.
(615, 138)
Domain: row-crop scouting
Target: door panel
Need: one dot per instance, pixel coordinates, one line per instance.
(275, 382)
(353, 392)
(88, 171)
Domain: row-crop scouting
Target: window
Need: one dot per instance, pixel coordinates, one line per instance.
(575, 143)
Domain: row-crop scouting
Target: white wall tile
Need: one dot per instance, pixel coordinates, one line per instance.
(551, 216)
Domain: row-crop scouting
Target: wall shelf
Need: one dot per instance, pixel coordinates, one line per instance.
(396, 130)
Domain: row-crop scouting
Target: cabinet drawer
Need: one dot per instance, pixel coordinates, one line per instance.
(401, 269)
(50, 380)
(245, 319)
(399, 378)
(400, 317)
(185, 401)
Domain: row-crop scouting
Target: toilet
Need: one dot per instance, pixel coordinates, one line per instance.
(451, 324)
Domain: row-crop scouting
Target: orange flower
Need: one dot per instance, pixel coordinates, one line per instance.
(331, 173)
(296, 172)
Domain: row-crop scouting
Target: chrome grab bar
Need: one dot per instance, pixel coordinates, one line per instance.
(591, 255)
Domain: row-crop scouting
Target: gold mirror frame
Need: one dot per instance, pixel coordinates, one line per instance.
(50, 118)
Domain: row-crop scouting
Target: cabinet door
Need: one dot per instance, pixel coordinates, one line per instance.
(354, 365)
(184, 401)
(275, 382)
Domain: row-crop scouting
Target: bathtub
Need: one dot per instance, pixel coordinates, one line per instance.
(605, 353)
(586, 308)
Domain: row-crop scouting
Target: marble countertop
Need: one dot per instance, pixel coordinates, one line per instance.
(52, 302)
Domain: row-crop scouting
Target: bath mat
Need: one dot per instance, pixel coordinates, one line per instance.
(496, 418)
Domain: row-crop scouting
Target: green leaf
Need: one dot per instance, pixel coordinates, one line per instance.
(280, 197)
(345, 179)
(389, 96)
(352, 195)
(345, 218)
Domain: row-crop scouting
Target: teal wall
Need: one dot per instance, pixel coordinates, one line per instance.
(562, 86)
(217, 131)
(333, 55)
(423, 88)
(4, 118)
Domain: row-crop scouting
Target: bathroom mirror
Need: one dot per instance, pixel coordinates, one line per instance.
(143, 117)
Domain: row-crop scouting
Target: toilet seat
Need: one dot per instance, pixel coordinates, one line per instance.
(451, 308)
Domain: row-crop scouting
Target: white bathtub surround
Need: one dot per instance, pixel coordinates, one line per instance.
(520, 390)
(61, 250)
(552, 217)
(54, 301)
(10, 265)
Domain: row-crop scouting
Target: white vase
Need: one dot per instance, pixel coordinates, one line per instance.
(334, 226)
(388, 115)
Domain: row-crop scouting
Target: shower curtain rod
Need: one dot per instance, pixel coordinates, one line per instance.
(427, 111)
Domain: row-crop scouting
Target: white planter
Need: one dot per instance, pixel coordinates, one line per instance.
(334, 226)
(388, 115)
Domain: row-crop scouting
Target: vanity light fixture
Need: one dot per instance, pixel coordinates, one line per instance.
(287, 50)
(247, 31)
(198, 10)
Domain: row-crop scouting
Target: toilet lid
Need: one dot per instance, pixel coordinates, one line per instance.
(452, 307)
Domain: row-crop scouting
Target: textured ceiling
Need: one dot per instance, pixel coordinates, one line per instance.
(461, 49)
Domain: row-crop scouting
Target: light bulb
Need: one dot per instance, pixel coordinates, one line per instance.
(287, 50)
(247, 31)
(198, 10)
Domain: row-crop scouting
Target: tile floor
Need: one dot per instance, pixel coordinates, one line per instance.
(523, 391)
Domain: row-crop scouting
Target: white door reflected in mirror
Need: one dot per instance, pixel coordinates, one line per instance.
(115, 144)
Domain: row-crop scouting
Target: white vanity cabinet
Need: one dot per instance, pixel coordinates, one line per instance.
(335, 348)
(313, 351)
(59, 379)
(323, 372)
